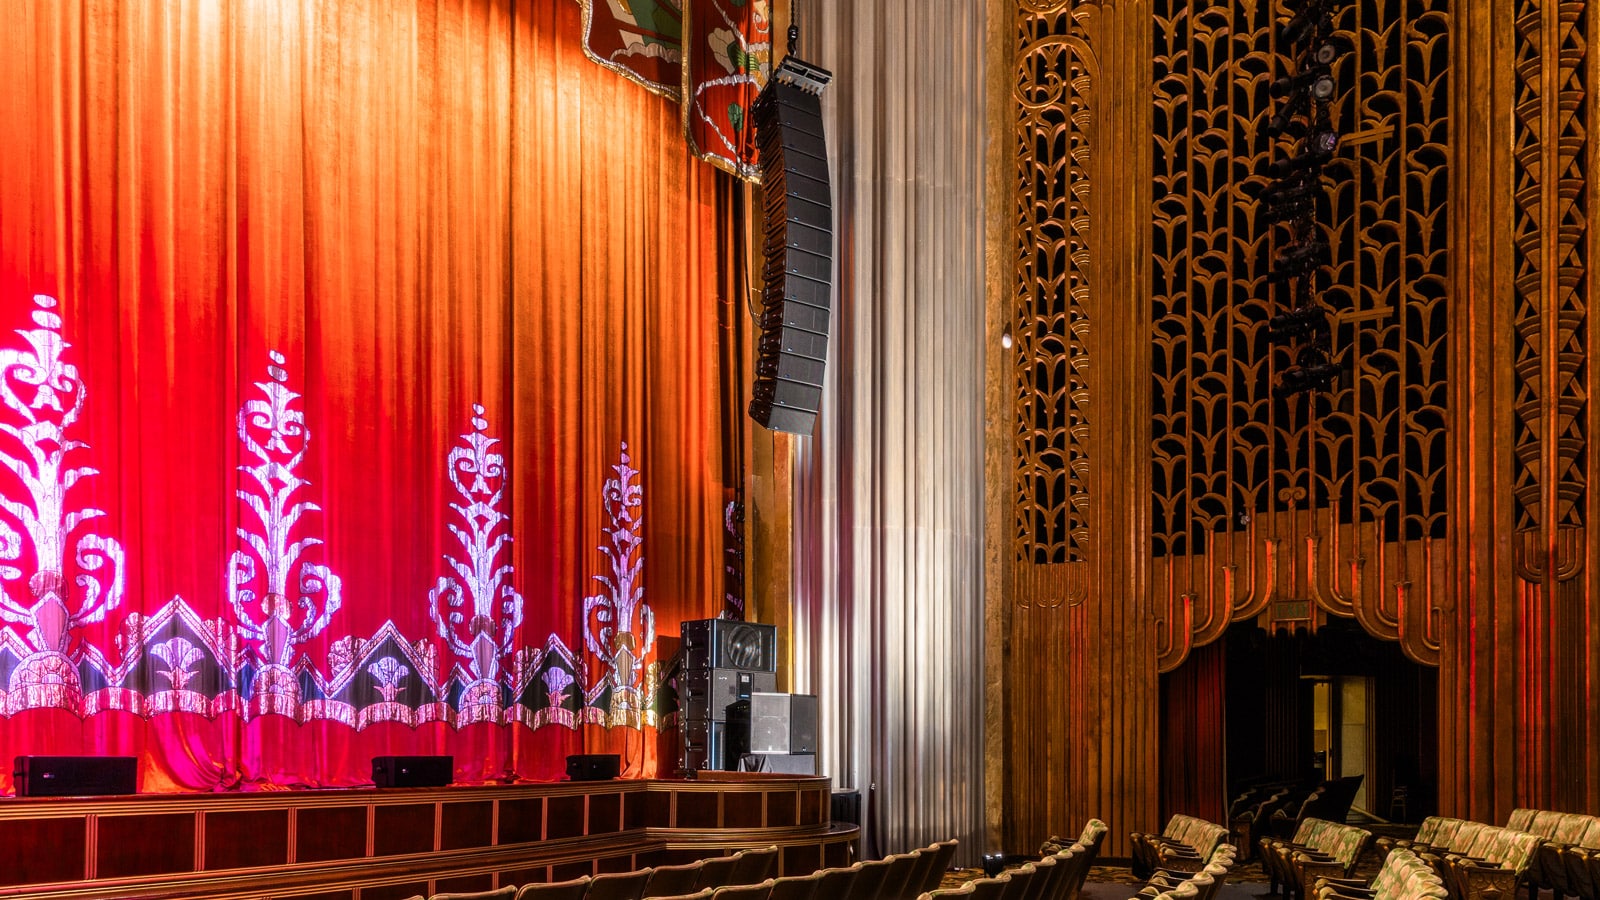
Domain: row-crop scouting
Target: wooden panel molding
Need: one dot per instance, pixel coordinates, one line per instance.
(366, 843)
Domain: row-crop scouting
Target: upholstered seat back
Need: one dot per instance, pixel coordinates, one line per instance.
(1572, 827)
(1520, 851)
(1521, 819)
(1447, 831)
(1591, 835)
(1343, 842)
(1093, 831)
(1465, 837)
(1175, 827)
(1208, 839)
(1421, 884)
(1544, 823)
(1307, 831)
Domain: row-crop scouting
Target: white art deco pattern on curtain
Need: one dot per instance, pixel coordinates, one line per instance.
(888, 605)
(280, 590)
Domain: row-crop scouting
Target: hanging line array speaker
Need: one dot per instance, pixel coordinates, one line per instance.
(797, 286)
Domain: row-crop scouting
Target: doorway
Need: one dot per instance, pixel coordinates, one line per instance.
(1254, 710)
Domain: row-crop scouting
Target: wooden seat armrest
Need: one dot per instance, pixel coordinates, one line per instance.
(1486, 883)
(1348, 885)
(1339, 892)
(1342, 888)
(1309, 870)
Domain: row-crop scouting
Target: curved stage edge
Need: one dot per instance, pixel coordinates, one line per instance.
(371, 844)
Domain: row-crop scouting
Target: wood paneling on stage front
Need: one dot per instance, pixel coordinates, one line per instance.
(1147, 487)
(363, 843)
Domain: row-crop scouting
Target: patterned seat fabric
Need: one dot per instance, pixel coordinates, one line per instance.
(1580, 862)
(1403, 876)
(1331, 851)
(1187, 844)
(1093, 831)
(1494, 864)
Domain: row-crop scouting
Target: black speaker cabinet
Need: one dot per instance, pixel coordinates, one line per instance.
(593, 766)
(707, 692)
(75, 776)
(797, 277)
(702, 743)
(736, 737)
(783, 723)
(413, 771)
(727, 644)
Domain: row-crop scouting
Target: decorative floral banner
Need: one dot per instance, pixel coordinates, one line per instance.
(280, 595)
(640, 39)
(728, 60)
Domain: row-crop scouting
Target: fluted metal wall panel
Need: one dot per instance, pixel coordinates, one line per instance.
(888, 605)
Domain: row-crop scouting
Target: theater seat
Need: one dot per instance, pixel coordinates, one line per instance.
(669, 881)
(506, 893)
(618, 885)
(556, 890)
(762, 891)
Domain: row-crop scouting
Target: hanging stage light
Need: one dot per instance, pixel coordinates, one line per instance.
(1295, 195)
(1285, 328)
(1312, 371)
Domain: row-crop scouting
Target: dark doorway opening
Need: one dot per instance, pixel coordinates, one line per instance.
(1256, 709)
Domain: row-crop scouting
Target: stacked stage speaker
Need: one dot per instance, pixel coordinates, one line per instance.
(723, 662)
(771, 732)
(798, 274)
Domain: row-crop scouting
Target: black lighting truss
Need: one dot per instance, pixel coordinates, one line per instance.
(1294, 197)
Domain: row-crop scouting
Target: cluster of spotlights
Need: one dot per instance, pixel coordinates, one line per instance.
(1294, 198)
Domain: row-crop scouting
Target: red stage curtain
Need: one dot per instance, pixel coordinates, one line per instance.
(315, 265)
(1194, 751)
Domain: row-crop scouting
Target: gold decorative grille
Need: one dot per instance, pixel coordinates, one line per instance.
(1052, 285)
(1224, 449)
(1380, 452)
(1261, 503)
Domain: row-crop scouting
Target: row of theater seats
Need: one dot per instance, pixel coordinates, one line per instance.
(1058, 874)
(1278, 809)
(1568, 862)
(1185, 845)
(745, 876)
(1318, 849)
(1535, 849)
(1172, 884)
(1404, 876)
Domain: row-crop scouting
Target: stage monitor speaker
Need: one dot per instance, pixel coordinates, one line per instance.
(594, 766)
(797, 288)
(75, 776)
(727, 644)
(413, 771)
(783, 723)
(707, 692)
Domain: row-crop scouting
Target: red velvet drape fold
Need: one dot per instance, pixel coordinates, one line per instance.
(303, 251)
